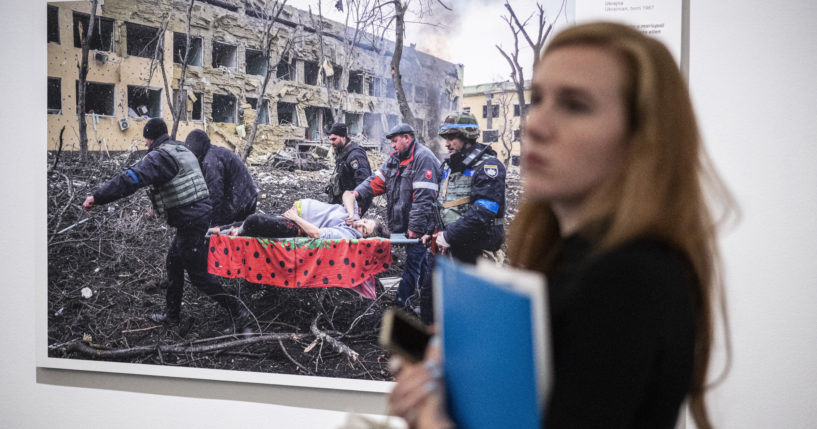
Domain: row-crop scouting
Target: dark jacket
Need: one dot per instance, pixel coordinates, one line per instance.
(351, 169)
(480, 227)
(410, 181)
(233, 193)
(155, 168)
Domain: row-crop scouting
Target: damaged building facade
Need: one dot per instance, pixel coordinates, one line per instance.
(496, 107)
(225, 74)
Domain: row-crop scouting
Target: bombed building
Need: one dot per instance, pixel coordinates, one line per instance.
(320, 72)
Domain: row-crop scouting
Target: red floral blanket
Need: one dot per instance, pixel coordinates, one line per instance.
(301, 262)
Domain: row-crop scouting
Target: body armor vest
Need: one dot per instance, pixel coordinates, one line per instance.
(187, 187)
(455, 189)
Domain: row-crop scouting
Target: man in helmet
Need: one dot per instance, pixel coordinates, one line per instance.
(471, 199)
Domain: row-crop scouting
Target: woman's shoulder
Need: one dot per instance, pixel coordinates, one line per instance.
(642, 264)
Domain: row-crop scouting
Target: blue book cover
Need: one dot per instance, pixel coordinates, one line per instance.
(494, 333)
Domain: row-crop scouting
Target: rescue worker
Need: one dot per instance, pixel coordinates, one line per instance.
(409, 179)
(472, 192)
(351, 165)
(471, 202)
(179, 194)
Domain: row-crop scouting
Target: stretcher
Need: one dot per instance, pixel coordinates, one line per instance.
(302, 262)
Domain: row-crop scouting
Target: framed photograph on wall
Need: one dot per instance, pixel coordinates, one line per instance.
(281, 85)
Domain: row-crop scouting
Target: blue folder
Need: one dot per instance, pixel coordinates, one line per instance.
(494, 346)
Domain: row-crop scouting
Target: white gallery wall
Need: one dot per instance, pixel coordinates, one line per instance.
(753, 75)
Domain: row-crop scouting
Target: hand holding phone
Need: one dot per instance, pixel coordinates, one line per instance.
(403, 335)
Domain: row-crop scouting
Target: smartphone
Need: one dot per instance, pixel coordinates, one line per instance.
(403, 335)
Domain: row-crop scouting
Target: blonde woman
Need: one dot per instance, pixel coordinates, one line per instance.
(616, 217)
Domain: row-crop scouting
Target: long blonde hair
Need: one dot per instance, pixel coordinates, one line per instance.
(659, 191)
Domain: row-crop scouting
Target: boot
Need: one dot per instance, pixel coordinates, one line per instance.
(240, 318)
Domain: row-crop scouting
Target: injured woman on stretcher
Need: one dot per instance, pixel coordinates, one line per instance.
(308, 218)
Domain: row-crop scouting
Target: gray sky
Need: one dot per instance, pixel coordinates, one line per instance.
(468, 34)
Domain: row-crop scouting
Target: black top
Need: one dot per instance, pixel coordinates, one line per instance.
(622, 325)
(233, 193)
(351, 168)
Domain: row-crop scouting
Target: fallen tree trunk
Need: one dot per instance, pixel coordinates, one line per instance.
(84, 348)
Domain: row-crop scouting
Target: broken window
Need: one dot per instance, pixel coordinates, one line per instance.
(144, 102)
(355, 82)
(353, 123)
(315, 118)
(224, 108)
(490, 136)
(141, 39)
(264, 110)
(420, 94)
(224, 55)
(392, 120)
(101, 40)
(373, 126)
(515, 160)
(287, 114)
(54, 95)
(390, 91)
(494, 111)
(516, 111)
(256, 62)
(53, 24)
(179, 43)
(516, 134)
(334, 80)
(285, 70)
(98, 98)
(374, 86)
(193, 105)
(310, 73)
(466, 109)
(195, 112)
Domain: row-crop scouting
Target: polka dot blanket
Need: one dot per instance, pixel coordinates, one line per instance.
(301, 262)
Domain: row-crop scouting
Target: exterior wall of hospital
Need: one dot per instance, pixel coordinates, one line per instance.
(236, 28)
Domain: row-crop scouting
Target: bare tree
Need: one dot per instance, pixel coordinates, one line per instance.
(271, 14)
(542, 29)
(398, 12)
(83, 75)
(399, 32)
(506, 127)
(361, 15)
(180, 104)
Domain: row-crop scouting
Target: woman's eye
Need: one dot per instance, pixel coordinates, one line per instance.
(575, 106)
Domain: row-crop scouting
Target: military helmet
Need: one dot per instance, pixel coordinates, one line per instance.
(463, 124)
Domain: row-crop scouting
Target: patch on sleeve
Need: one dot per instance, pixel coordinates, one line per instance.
(355, 164)
(491, 170)
(428, 174)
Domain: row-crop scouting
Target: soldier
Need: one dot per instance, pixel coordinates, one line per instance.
(179, 194)
(471, 199)
(351, 165)
(409, 178)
